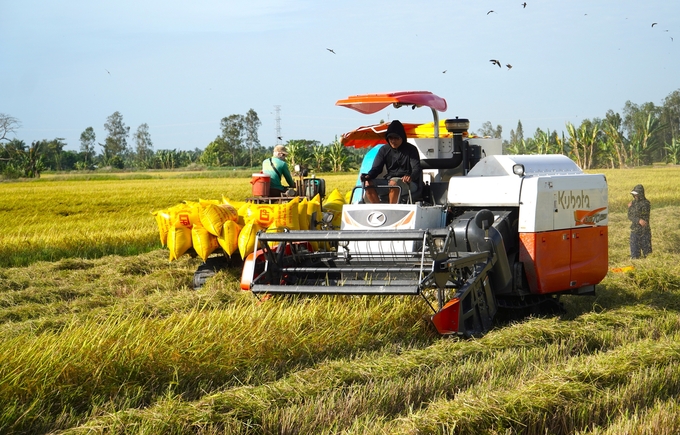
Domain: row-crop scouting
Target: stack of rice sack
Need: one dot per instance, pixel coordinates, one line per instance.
(204, 225)
(233, 225)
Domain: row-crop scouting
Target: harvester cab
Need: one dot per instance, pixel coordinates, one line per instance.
(490, 231)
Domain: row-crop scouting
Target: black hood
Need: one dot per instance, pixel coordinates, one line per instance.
(639, 190)
(396, 127)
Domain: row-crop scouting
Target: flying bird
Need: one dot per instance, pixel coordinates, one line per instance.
(444, 72)
(508, 65)
(654, 24)
(107, 71)
(524, 4)
(489, 12)
(330, 50)
(495, 62)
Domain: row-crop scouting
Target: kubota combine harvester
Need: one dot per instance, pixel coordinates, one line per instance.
(487, 231)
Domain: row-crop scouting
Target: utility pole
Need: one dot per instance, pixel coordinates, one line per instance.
(277, 111)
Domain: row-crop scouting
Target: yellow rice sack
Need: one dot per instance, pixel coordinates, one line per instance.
(335, 196)
(273, 228)
(286, 215)
(213, 216)
(315, 213)
(348, 196)
(229, 238)
(204, 242)
(263, 214)
(246, 238)
(334, 205)
(314, 206)
(179, 240)
(303, 217)
(186, 214)
(243, 213)
(163, 221)
(232, 202)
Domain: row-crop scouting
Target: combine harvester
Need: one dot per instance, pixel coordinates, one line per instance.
(487, 231)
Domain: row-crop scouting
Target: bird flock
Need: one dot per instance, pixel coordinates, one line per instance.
(524, 5)
(496, 61)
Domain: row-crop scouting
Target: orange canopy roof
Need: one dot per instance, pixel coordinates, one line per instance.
(371, 103)
(365, 137)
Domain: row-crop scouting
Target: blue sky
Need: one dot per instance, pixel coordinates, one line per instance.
(182, 66)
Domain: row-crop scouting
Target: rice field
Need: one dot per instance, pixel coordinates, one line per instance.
(101, 334)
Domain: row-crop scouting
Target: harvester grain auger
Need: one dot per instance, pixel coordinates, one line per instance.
(490, 232)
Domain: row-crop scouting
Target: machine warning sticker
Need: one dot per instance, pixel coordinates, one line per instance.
(590, 217)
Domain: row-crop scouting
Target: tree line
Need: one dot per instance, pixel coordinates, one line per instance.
(639, 135)
(238, 146)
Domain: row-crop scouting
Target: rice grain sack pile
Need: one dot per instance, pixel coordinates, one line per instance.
(203, 227)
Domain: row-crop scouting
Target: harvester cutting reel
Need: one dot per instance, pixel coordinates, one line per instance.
(451, 268)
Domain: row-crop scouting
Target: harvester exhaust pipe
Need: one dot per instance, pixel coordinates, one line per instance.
(457, 127)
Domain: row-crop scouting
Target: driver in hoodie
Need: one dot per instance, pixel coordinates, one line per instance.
(402, 161)
(640, 231)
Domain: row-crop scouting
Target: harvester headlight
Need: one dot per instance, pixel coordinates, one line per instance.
(518, 169)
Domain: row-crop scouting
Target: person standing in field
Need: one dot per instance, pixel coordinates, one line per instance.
(277, 168)
(640, 231)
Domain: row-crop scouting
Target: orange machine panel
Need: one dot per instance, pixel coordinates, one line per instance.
(589, 255)
(564, 259)
(547, 260)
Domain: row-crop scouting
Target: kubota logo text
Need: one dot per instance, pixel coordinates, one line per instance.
(567, 199)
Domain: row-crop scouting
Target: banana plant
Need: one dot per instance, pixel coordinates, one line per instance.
(584, 142)
(644, 142)
(673, 150)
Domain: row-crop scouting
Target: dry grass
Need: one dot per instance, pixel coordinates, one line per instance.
(100, 343)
